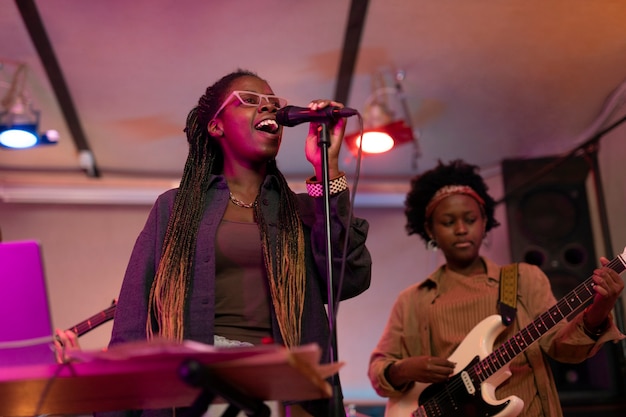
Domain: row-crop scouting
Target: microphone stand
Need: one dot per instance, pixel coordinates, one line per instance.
(336, 402)
(198, 375)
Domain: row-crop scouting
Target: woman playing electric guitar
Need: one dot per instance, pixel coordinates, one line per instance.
(434, 357)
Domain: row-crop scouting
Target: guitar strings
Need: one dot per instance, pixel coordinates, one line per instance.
(94, 321)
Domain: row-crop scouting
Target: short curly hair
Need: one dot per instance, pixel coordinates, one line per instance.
(424, 187)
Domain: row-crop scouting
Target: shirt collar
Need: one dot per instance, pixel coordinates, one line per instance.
(493, 272)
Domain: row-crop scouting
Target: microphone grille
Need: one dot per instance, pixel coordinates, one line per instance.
(282, 116)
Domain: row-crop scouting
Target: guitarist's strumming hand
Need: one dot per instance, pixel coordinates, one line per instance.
(608, 288)
(425, 369)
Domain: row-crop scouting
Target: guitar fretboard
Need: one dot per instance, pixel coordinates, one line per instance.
(94, 321)
(512, 347)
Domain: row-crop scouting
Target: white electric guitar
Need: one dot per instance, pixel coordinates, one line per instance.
(471, 390)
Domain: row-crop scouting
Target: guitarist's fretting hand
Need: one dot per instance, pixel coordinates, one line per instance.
(609, 286)
(426, 369)
(67, 340)
(64, 342)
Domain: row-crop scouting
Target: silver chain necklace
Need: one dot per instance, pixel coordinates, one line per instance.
(241, 203)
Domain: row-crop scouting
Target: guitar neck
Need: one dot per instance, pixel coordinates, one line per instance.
(567, 305)
(94, 321)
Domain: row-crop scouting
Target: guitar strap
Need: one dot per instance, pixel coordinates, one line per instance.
(507, 304)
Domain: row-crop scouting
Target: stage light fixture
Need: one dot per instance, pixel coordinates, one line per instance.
(386, 120)
(19, 121)
(24, 134)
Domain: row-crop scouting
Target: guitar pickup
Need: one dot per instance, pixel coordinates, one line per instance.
(467, 381)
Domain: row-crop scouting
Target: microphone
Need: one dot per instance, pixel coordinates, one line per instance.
(291, 115)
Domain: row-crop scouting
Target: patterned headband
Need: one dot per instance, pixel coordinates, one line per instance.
(449, 190)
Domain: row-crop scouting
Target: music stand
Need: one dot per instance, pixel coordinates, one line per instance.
(147, 375)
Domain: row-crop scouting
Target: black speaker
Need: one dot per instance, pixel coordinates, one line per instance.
(550, 226)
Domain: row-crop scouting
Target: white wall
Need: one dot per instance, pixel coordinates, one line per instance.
(86, 248)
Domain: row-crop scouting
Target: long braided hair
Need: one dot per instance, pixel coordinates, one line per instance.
(284, 260)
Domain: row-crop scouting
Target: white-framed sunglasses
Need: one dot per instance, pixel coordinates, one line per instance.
(252, 99)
